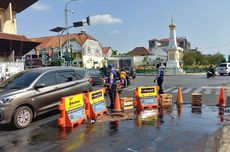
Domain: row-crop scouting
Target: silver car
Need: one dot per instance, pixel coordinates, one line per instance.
(223, 68)
(33, 92)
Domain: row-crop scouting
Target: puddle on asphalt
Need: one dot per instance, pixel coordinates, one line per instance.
(183, 128)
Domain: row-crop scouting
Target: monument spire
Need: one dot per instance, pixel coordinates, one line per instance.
(172, 35)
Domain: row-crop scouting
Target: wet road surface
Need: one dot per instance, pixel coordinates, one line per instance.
(183, 131)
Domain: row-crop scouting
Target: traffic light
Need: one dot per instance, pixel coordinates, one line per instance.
(88, 20)
(77, 24)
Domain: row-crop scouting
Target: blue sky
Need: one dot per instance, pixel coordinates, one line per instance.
(126, 24)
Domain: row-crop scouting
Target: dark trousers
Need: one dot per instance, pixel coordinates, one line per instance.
(159, 83)
(112, 94)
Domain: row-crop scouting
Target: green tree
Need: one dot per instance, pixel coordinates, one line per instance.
(114, 53)
(197, 58)
(147, 60)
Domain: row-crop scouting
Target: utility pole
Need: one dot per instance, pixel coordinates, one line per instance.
(66, 24)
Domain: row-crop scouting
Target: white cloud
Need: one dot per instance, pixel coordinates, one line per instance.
(40, 7)
(104, 19)
(115, 32)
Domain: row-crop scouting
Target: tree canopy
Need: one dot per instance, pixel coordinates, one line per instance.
(197, 58)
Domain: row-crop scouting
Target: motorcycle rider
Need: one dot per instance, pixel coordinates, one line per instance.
(211, 69)
(124, 77)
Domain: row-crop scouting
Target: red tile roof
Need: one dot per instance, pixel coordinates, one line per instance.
(105, 49)
(165, 39)
(139, 51)
(53, 41)
(13, 37)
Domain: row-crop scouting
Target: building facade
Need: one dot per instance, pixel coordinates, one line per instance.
(85, 51)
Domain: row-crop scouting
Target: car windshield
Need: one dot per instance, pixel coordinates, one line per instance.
(223, 65)
(20, 80)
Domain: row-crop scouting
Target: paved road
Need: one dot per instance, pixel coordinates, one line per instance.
(209, 88)
(176, 132)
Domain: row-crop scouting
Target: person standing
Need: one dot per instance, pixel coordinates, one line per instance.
(159, 78)
(111, 85)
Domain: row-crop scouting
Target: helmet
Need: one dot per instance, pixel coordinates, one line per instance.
(110, 66)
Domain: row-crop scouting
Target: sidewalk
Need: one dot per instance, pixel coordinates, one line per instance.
(220, 141)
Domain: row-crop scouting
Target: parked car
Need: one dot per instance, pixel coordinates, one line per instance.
(223, 68)
(105, 71)
(30, 93)
(97, 76)
(130, 71)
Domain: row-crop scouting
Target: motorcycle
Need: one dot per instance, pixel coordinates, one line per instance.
(119, 86)
(210, 74)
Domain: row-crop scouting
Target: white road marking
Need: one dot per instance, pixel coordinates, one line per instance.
(215, 87)
(217, 91)
(169, 89)
(208, 91)
(187, 90)
(175, 91)
(197, 90)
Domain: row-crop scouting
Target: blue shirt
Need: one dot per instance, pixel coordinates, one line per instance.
(112, 77)
(160, 73)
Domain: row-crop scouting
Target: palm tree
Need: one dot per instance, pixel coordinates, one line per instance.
(147, 60)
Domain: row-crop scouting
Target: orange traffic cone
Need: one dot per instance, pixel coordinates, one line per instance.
(117, 103)
(179, 110)
(179, 100)
(222, 98)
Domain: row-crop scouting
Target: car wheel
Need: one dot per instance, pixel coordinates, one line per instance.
(221, 74)
(22, 117)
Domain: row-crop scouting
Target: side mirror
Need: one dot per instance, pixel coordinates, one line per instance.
(40, 85)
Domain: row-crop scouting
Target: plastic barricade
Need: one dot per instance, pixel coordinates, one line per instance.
(147, 97)
(72, 111)
(96, 104)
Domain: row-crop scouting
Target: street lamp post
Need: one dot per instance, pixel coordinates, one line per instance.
(66, 21)
(58, 30)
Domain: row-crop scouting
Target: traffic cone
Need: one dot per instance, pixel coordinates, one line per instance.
(179, 100)
(222, 98)
(117, 103)
(179, 110)
(221, 115)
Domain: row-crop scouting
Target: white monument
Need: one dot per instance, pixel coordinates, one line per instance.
(175, 53)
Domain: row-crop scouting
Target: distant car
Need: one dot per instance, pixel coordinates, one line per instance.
(105, 71)
(30, 93)
(223, 68)
(97, 76)
(130, 71)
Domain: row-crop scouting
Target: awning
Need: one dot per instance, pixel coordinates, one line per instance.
(17, 43)
(17, 5)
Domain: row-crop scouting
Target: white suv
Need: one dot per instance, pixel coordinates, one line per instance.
(223, 68)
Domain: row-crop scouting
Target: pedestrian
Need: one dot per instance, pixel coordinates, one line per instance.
(159, 77)
(111, 85)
